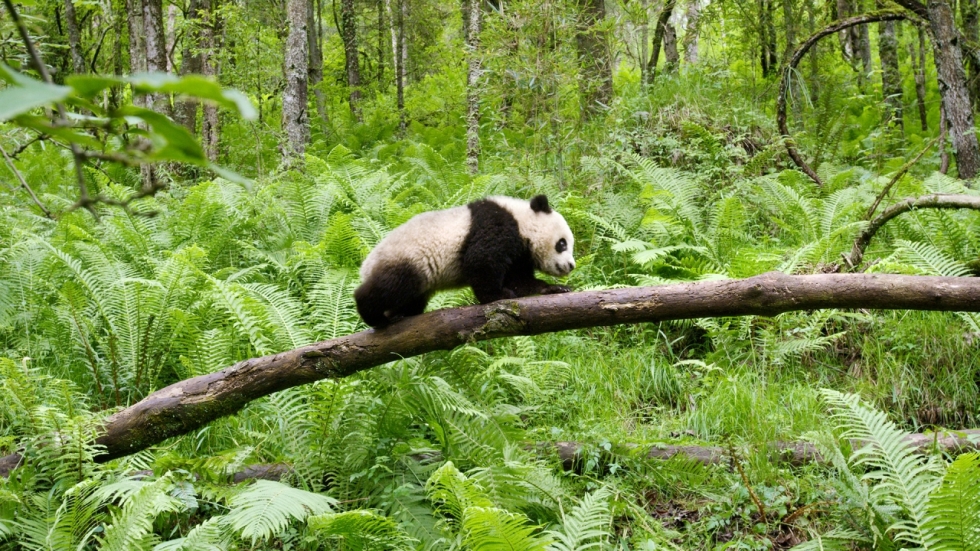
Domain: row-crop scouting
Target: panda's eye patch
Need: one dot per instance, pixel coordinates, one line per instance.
(561, 246)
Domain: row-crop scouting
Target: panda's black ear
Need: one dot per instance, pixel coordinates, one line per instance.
(540, 204)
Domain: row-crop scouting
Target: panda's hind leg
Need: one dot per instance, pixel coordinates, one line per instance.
(390, 295)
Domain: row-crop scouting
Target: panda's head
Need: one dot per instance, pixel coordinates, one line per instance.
(549, 237)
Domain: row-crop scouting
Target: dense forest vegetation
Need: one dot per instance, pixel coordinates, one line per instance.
(188, 184)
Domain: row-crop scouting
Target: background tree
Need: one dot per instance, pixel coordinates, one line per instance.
(295, 116)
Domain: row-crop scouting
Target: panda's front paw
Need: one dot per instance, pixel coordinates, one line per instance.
(556, 289)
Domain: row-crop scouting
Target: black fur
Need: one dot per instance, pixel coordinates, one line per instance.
(540, 204)
(391, 294)
(496, 259)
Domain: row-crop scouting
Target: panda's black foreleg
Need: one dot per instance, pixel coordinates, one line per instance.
(520, 279)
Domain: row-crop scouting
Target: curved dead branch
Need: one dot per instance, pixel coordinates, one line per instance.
(190, 404)
(934, 201)
(798, 54)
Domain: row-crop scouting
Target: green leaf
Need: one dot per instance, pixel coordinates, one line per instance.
(25, 93)
(195, 86)
(171, 141)
(265, 508)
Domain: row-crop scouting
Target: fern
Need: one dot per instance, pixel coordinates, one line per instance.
(131, 526)
(586, 526)
(265, 508)
(954, 505)
(362, 529)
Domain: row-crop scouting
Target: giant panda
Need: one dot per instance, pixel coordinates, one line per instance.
(492, 245)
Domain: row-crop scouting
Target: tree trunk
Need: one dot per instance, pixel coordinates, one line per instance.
(211, 38)
(919, 69)
(952, 88)
(891, 78)
(188, 405)
(381, 43)
(971, 32)
(156, 49)
(295, 119)
(789, 20)
(473, 86)
(671, 56)
(171, 37)
(137, 42)
(595, 66)
(315, 48)
(658, 37)
(644, 41)
(767, 38)
(690, 41)
(74, 38)
(348, 33)
(185, 112)
(401, 58)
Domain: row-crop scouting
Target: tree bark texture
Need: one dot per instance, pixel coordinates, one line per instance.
(190, 404)
(789, 21)
(401, 58)
(934, 201)
(671, 57)
(315, 48)
(473, 73)
(952, 88)
(795, 60)
(156, 49)
(691, 29)
(185, 112)
(658, 38)
(74, 38)
(971, 32)
(855, 42)
(137, 42)
(348, 32)
(295, 118)
(891, 77)
(211, 38)
(767, 38)
(919, 68)
(595, 80)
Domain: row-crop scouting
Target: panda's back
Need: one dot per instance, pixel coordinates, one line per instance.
(430, 242)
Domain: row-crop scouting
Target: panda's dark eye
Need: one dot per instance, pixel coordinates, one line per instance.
(561, 246)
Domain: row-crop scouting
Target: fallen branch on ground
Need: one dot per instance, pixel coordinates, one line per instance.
(191, 404)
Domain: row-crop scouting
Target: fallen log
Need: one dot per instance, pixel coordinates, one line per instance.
(192, 403)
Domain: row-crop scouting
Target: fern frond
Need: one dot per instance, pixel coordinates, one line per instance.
(131, 527)
(265, 508)
(586, 526)
(362, 529)
(954, 505)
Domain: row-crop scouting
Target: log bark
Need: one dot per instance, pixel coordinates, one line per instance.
(795, 60)
(935, 201)
(191, 404)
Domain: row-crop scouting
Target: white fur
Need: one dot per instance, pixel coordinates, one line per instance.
(431, 242)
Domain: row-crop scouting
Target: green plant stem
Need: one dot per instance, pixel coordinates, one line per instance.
(23, 184)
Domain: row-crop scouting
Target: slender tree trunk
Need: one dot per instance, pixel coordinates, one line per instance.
(952, 88)
(814, 55)
(211, 39)
(348, 32)
(315, 48)
(295, 119)
(771, 48)
(658, 37)
(971, 32)
(891, 78)
(171, 36)
(381, 43)
(691, 30)
(644, 40)
(74, 38)
(671, 56)
(473, 86)
(137, 42)
(156, 49)
(401, 57)
(789, 20)
(393, 28)
(919, 69)
(595, 66)
(185, 112)
(845, 35)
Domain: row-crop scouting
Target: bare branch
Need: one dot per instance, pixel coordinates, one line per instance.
(898, 176)
(935, 201)
(798, 54)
